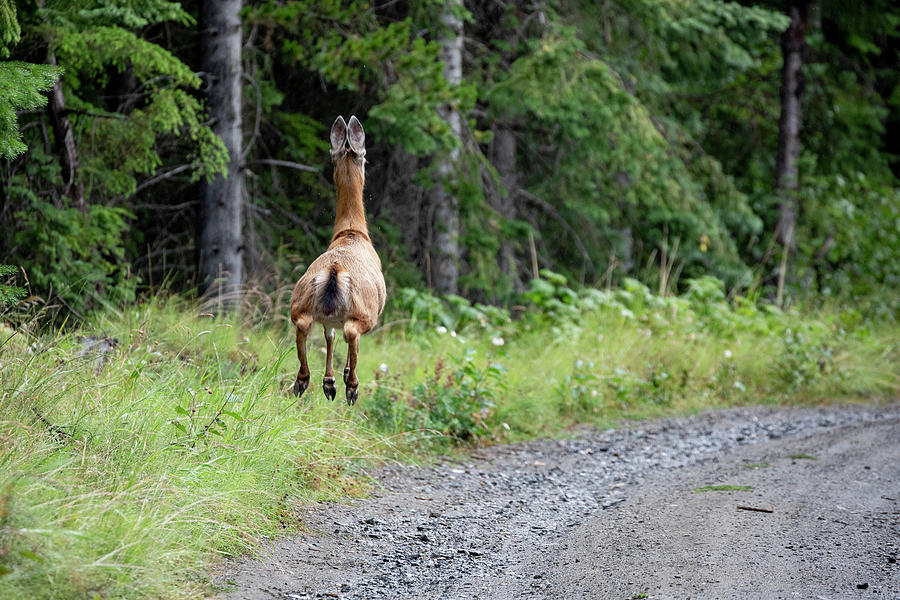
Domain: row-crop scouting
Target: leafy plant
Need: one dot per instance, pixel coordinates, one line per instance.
(806, 359)
(9, 294)
(77, 255)
(460, 403)
(578, 392)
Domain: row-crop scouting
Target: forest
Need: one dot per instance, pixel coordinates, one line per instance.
(586, 211)
(659, 140)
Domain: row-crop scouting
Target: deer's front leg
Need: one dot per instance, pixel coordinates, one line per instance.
(328, 387)
(303, 324)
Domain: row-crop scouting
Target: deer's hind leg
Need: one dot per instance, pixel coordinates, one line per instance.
(353, 328)
(303, 323)
(328, 387)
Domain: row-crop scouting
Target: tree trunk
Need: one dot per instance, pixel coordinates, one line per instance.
(220, 240)
(445, 255)
(64, 138)
(793, 44)
(504, 159)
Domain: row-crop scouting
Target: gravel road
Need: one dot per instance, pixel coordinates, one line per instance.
(616, 514)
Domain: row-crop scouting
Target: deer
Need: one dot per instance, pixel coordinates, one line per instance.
(344, 287)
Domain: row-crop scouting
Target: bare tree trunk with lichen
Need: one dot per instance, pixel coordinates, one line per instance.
(445, 256)
(220, 239)
(793, 44)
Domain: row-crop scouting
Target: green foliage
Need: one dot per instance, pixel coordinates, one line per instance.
(645, 139)
(457, 405)
(182, 444)
(88, 52)
(807, 357)
(850, 230)
(133, 108)
(10, 32)
(642, 172)
(422, 309)
(21, 85)
(388, 58)
(723, 488)
(132, 145)
(126, 143)
(76, 255)
(9, 294)
(578, 391)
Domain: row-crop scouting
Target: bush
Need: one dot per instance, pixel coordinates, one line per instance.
(459, 404)
(9, 294)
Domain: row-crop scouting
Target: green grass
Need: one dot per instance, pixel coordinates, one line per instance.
(802, 457)
(135, 480)
(723, 488)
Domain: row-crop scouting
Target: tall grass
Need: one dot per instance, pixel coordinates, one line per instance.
(127, 474)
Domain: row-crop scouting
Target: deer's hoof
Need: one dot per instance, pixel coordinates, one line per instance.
(300, 386)
(352, 394)
(328, 388)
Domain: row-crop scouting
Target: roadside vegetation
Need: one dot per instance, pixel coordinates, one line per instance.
(145, 434)
(141, 447)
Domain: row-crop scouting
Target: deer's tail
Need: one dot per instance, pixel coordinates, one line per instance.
(333, 290)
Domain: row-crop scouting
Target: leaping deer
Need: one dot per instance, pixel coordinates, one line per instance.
(344, 287)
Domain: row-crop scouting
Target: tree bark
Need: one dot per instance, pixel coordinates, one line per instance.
(504, 159)
(793, 44)
(445, 256)
(73, 187)
(220, 239)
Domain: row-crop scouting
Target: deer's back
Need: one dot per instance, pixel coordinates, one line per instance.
(360, 286)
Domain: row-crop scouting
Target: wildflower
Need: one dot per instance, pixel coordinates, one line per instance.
(452, 333)
(383, 368)
(497, 341)
(626, 313)
(728, 354)
(739, 386)
(440, 329)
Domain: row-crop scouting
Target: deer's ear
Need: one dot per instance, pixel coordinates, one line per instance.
(357, 136)
(338, 135)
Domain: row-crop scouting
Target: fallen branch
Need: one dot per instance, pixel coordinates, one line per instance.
(753, 508)
(286, 163)
(58, 431)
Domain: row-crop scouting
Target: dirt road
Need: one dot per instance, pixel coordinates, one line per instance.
(620, 514)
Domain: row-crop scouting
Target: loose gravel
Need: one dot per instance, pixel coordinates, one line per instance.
(512, 521)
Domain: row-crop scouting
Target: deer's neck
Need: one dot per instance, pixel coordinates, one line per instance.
(351, 214)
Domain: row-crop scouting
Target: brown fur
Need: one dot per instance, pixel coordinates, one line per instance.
(344, 287)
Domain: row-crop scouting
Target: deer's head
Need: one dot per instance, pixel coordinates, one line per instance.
(348, 142)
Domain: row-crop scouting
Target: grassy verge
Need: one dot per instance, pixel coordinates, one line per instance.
(128, 473)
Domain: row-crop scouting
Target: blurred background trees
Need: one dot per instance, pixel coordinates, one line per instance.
(641, 138)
